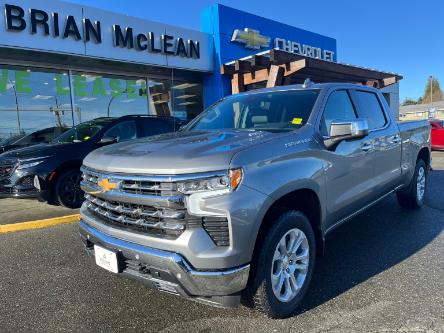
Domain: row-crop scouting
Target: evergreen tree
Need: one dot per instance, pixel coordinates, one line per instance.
(409, 101)
(436, 90)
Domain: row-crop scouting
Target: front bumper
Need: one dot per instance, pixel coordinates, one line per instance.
(21, 194)
(170, 272)
(21, 184)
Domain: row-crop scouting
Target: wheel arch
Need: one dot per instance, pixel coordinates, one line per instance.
(55, 174)
(424, 154)
(307, 201)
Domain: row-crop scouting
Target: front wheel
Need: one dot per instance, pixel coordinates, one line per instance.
(284, 268)
(67, 189)
(413, 196)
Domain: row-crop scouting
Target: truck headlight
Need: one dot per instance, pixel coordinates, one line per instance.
(229, 181)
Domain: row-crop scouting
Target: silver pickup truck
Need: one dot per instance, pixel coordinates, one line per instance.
(236, 206)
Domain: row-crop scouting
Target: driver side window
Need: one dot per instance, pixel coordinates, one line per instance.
(338, 107)
(123, 131)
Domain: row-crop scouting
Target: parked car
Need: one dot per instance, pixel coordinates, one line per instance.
(237, 205)
(51, 172)
(437, 134)
(45, 135)
(10, 140)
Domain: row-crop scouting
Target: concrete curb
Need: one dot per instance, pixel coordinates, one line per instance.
(38, 224)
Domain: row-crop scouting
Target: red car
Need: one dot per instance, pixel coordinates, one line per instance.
(437, 134)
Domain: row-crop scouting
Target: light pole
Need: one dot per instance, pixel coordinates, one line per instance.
(112, 99)
(16, 106)
(431, 90)
(109, 104)
(57, 113)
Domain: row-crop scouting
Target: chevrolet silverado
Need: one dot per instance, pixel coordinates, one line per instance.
(236, 206)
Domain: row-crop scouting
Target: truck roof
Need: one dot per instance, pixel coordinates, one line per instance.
(312, 85)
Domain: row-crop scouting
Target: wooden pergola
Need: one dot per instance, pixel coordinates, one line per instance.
(276, 67)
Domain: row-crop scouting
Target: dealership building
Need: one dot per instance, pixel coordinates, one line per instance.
(62, 63)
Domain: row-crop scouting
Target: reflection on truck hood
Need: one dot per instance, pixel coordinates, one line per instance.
(173, 153)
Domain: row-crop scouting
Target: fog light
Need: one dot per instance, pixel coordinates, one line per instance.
(37, 183)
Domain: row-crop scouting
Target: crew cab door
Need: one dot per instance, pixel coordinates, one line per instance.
(348, 165)
(384, 138)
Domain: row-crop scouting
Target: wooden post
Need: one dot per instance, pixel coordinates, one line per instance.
(275, 77)
(389, 81)
(237, 83)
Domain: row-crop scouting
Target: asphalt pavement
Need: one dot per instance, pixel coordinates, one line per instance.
(382, 272)
(24, 210)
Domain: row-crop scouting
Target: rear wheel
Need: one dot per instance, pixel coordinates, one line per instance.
(284, 267)
(67, 189)
(413, 196)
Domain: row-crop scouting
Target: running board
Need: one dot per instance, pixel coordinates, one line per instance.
(340, 222)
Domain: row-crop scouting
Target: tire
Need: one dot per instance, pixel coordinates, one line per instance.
(412, 197)
(263, 292)
(67, 189)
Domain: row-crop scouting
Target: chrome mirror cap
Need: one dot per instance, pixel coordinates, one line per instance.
(346, 130)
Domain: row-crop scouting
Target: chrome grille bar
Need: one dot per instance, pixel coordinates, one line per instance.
(135, 215)
(153, 178)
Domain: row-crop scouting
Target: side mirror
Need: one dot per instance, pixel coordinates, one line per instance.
(346, 130)
(108, 140)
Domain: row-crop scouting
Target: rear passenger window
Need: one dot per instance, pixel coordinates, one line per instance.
(369, 107)
(338, 107)
(123, 131)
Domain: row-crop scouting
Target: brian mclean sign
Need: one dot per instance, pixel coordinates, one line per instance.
(96, 31)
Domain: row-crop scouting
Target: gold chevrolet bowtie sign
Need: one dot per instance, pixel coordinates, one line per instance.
(252, 39)
(106, 185)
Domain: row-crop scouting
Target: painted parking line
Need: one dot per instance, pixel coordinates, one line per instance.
(38, 224)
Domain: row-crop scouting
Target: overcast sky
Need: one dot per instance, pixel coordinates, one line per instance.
(399, 36)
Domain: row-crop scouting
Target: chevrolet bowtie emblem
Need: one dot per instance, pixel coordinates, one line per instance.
(106, 185)
(252, 39)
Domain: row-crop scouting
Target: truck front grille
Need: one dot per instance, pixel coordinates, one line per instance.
(135, 186)
(147, 204)
(148, 187)
(140, 218)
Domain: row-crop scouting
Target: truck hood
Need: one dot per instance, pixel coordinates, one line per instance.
(176, 153)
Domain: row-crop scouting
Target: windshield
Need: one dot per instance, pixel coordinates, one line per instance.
(82, 132)
(11, 140)
(275, 111)
(42, 136)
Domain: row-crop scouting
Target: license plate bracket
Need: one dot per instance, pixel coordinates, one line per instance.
(107, 259)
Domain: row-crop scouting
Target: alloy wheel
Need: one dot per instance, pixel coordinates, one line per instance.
(70, 191)
(420, 183)
(290, 265)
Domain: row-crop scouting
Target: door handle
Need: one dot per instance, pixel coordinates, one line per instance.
(367, 146)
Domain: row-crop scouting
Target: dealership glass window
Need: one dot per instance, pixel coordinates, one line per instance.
(181, 99)
(97, 95)
(187, 99)
(33, 99)
(160, 97)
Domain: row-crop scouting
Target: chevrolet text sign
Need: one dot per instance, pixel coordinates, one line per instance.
(66, 28)
(252, 39)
